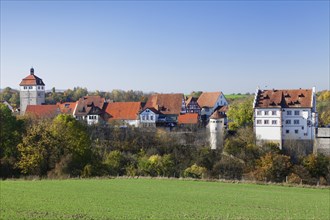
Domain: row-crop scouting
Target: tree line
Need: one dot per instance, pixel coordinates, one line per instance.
(64, 147)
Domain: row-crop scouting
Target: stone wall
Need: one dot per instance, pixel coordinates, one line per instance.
(322, 141)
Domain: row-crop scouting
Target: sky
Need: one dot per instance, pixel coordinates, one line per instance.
(167, 46)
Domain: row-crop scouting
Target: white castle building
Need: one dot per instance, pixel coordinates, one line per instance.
(281, 115)
(217, 126)
(32, 91)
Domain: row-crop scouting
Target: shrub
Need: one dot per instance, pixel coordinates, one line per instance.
(195, 172)
(228, 168)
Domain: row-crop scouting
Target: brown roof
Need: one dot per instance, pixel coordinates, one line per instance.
(67, 107)
(189, 118)
(123, 110)
(88, 103)
(217, 115)
(32, 80)
(208, 99)
(167, 104)
(42, 111)
(293, 98)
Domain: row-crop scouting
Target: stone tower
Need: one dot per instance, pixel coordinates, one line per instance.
(32, 91)
(216, 125)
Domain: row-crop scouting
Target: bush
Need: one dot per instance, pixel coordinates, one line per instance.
(228, 168)
(294, 178)
(195, 172)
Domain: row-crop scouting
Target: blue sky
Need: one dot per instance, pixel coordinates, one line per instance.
(176, 46)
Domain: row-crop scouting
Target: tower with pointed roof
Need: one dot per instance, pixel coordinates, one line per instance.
(32, 91)
(216, 125)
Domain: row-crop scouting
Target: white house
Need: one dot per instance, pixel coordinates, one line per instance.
(149, 117)
(209, 101)
(281, 115)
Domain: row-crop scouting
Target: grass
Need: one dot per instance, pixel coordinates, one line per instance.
(158, 199)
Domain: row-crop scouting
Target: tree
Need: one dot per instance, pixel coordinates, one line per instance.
(10, 135)
(114, 162)
(228, 168)
(317, 165)
(240, 114)
(273, 167)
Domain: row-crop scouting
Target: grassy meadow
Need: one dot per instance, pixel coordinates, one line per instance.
(158, 199)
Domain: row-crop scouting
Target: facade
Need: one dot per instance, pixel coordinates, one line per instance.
(148, 117)
(124, 113)
(32, 91)
(281, 115)
(169, 106)
(216, 126)
(192, 105)
(209, 102)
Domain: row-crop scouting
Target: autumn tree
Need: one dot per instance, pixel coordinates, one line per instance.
(240, 114)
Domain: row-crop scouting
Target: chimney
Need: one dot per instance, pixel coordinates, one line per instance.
(32, 71)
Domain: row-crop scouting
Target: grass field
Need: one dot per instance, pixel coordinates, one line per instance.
(158, 199)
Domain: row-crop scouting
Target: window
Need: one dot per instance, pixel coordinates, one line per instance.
(25, 87)
(296, 112)
(289, 112)
(296, 131)
(147, 110)
(147, 117)
(273, 112)
(38, 87)
(274, 122)
(266, 112)
(143, 117)
(42, 87)
(151, 117)
(258, 112)
(30, 87)
(296, 122)
(288, 122)
(287, 131)
(259, 121)
(266, 122)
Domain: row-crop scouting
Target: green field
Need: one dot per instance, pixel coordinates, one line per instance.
(158, 199)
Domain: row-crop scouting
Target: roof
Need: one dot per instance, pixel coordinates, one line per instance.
(42, 111)
(208, 99)
(32, 80)
(153, 110)
(223, 108)
(217, 115)
(286, 98)
(168, 104)
(67, 107)
(123, 110)
(89, 104)
(189, 118)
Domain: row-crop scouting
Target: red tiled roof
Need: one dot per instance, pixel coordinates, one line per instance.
(32, 80)
(293, 98)
(167, 104)
(189, 118)
(208, 99)
(42, 111)
(191, 98)
(67, 107)
(123, 110)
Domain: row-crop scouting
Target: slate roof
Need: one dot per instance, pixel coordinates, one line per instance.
(189, 118)
(208, 99)
(32, 80)
(168, 104)
(123, 110)
(286, 98)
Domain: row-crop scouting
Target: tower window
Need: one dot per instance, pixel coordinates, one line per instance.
(30, 87)
(25, 87)
(289, 112)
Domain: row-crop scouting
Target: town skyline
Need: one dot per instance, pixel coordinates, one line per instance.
(167, 47)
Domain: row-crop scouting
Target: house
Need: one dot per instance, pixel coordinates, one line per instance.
(67, 107)
(282, 115)
(42, 111)
(169, 106)
(32, 91)
(188, 119)
(192, 105)
(91, 109)
(149, 117)
(209, 101)
(125, 113)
